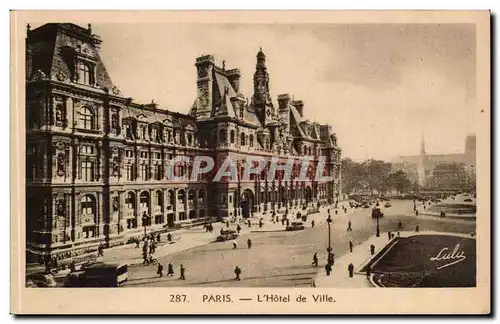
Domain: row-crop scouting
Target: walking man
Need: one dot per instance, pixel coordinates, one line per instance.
(350, 268)
(328, 268)
(389, 235)
(249, 223)
(170, 270)
(235, 246)
(350, 246)
(372, 249)
(227, 224)
(349, 228)
(169, 237)
(417, 229)
(238, 228)
(249, 243)
(100, 250)
(160, 270)
(261, 223)
(312, 223)
(315, 260)
(237, 272)
(183, 272)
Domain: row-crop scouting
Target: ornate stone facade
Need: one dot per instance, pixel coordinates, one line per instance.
(97, 160)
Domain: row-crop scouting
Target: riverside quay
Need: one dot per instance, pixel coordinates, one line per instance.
(97, 161)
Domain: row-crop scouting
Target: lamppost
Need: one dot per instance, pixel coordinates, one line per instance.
(329, 249)
(144, 223)
(378, 227)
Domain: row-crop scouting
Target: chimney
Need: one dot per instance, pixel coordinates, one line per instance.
(300, 106)
(234, 78)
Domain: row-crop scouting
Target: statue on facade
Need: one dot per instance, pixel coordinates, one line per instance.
(61, 167)
(116, 166)
(60, 210)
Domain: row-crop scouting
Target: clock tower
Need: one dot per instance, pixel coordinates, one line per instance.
(261, 97)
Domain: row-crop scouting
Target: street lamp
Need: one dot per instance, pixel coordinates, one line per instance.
(376, 214)
(144, 223)
(329, 249)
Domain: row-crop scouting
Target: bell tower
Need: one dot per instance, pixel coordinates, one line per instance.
(261, 97)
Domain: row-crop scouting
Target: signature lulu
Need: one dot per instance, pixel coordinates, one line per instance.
(456, 255)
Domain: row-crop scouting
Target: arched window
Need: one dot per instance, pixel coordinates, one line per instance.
(130, 201)
(159, 198)
(242, 139)
(232, 136)
(251, 140)
(87, 118)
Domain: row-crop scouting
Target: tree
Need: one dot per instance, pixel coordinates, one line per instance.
(377, 173)
(399, 181)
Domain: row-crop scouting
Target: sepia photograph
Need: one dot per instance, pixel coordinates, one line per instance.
(307, 155)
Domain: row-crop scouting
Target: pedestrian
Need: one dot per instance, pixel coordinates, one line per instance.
(160, 270)
(416, 212)
(350, 268)
(235, 246)
(331, 258)
(372, 249)
(169, 237)
(398, 234)
(137, 243)
(336, 212)
(100, 250)
(237, 272)
(183, 272)
(315, 260)
(170, 270)
(221, 231)
(349, 228)
(238, 228)
(261, 223)
(312, 223)
(392, 235)
(400, 225)
(249, 243)
(350, 246)
(328, 269)
(328, 210)
(417, 229)
(389, 235)
(158, 237)
(72, 266)
(283, 221)
(249, 223)
(287, 222)
(227, 224)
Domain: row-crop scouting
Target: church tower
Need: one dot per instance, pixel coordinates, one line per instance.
(422, 163)
(261, 97)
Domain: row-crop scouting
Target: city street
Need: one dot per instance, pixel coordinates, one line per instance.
(284, 259)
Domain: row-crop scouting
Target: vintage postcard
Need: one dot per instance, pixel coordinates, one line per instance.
(250, 162)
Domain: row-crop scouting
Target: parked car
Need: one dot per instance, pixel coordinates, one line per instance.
(74, 279)
(387, 205)
(468, 200)
(42, 279)
(227, 236)
(295, 226)
(99, 275)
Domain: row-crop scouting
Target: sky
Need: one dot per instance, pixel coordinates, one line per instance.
(380, 86)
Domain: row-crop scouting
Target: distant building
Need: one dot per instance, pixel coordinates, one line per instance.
(441, 171)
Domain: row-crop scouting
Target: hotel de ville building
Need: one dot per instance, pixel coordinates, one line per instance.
(96, 160)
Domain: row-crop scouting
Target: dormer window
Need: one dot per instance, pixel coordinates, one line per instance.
(85, 73)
